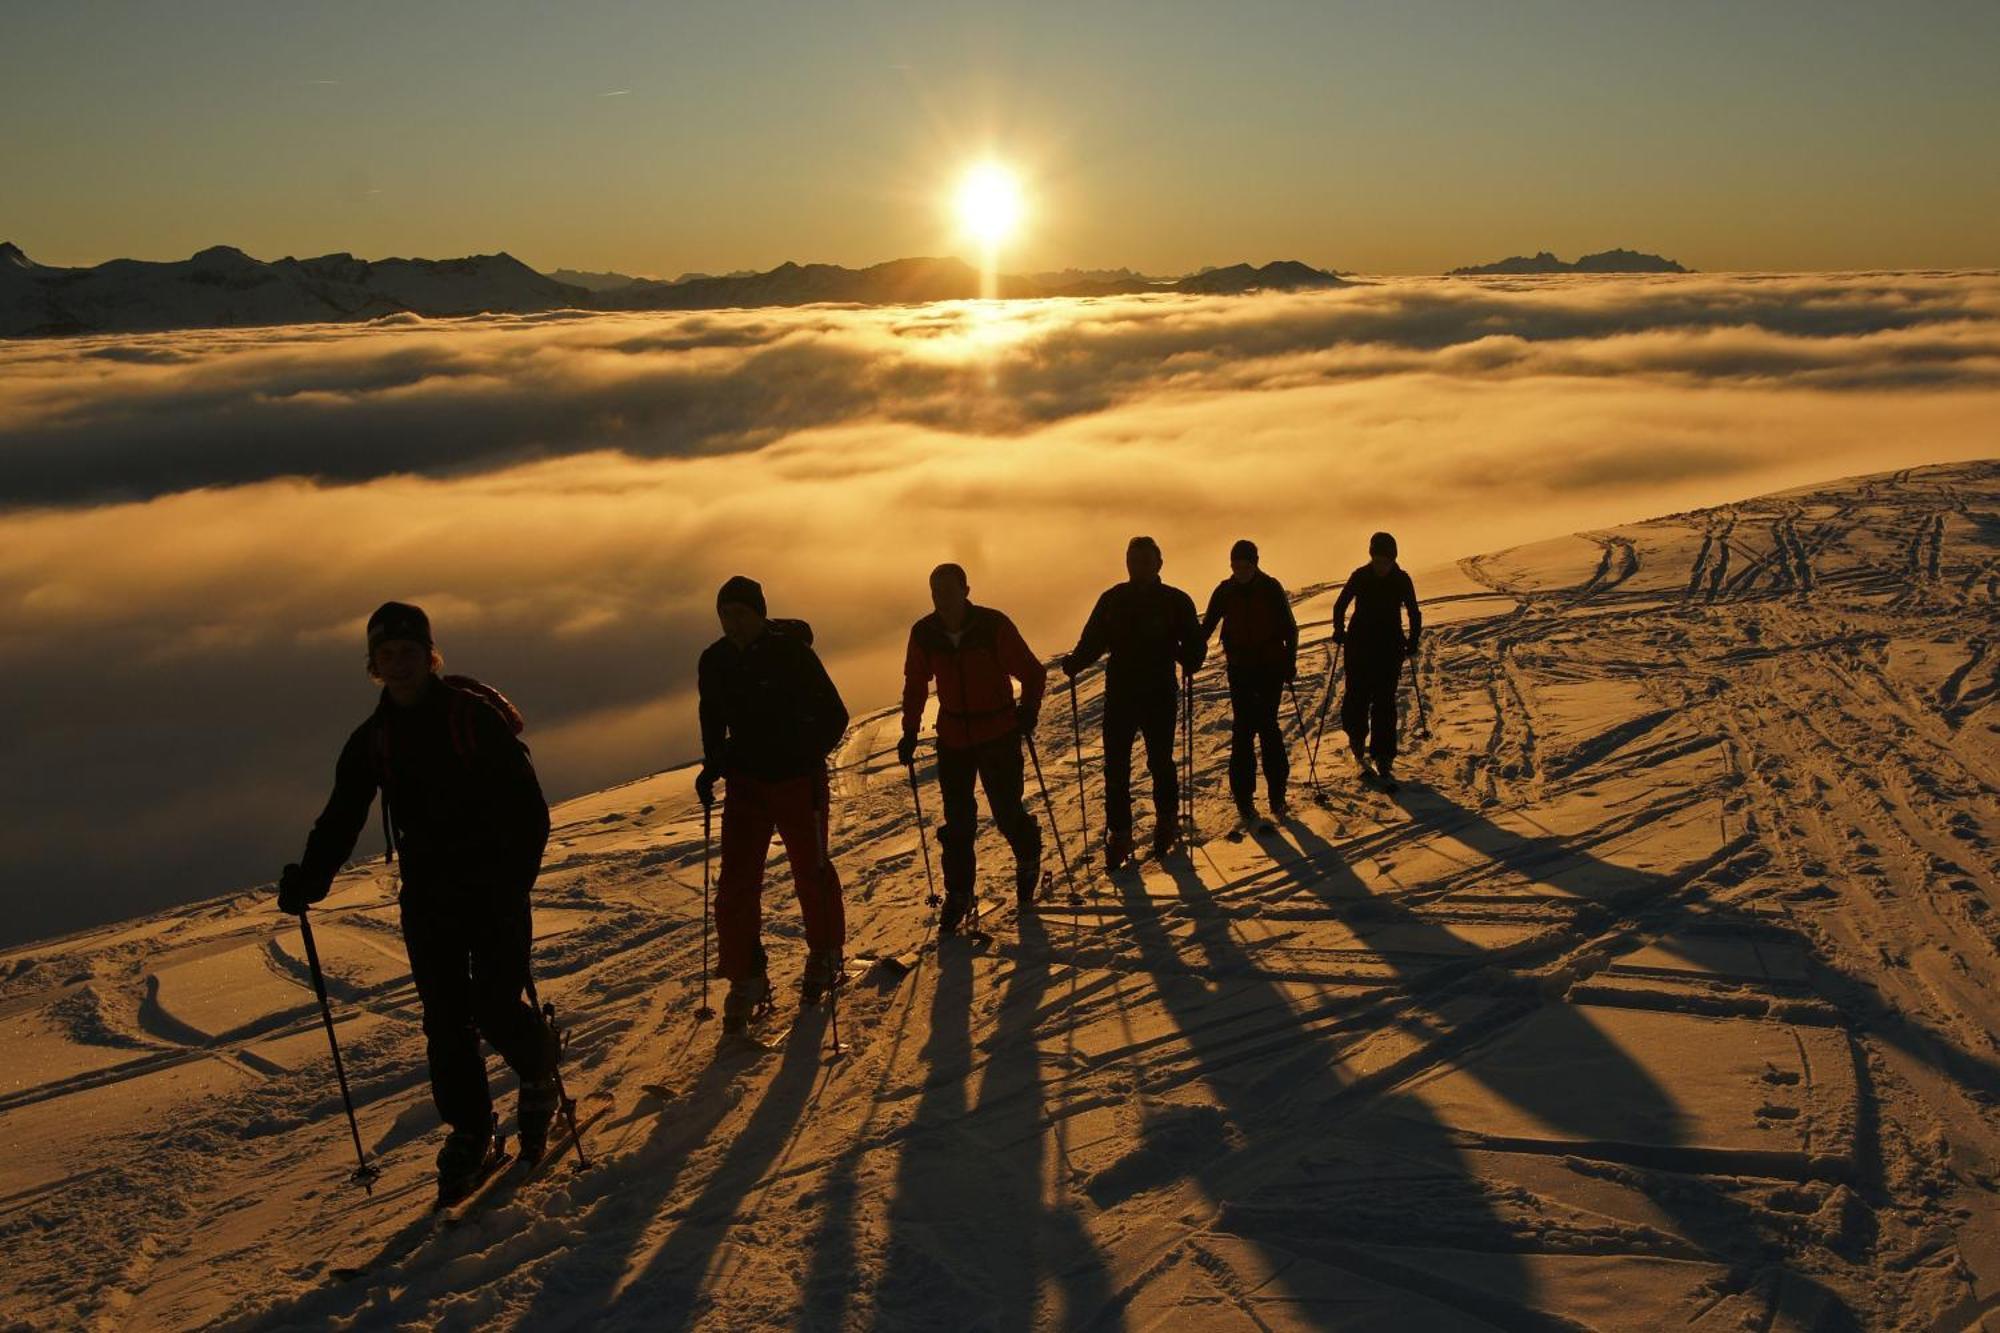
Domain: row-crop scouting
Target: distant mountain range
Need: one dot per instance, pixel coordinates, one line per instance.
(222, 288)
(1604, 261)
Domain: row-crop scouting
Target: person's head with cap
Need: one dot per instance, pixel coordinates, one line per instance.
(1382, 551)
(739, 605)
(950, 592)
(1243, 560)
(400, 651)
(1143, 560)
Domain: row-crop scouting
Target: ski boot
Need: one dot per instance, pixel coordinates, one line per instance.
(462, 1163)
(957, 906)
(1246, 812)
(1117, 851)
(1166, 841)
(539, 1100)
(823, 973)
(1028, 878)
(747, 1001)
(1385, 775)
(1281, 809)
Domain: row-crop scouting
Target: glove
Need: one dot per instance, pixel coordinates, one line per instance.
(1027, 716)
(906, 749)
(295, 890)
(1339, 637)
(704, 785)
(1069, 665)
(1410, 648)
(1291, 670)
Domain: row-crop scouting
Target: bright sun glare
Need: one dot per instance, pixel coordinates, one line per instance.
(989, 203)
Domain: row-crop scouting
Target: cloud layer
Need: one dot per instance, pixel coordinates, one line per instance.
(564, 495)
(89, 419)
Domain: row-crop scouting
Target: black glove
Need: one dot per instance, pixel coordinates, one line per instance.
(906, 749)
(1339, 637)
(1069, 665)
(1291, 669)
(295, 890)
(704, 785)
(1410, 648)
(1027, 716)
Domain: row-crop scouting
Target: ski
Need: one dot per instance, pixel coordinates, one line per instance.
(490, 1171)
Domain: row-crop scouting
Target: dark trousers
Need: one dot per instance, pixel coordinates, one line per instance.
(1368, 707)
(1254, 695)
(997, 766)
(796, 810)
(1127, 716)
(469, 959)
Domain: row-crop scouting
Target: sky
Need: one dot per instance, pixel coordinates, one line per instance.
(661, 138)
(196, 525)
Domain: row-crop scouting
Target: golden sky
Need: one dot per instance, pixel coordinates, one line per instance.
(656, 139)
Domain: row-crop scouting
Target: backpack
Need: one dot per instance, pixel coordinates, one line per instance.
(465, 696)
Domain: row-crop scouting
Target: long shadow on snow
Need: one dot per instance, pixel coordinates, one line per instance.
(1275, 1115)
(972, 1234)
(1727, 1229)
(668, 1291)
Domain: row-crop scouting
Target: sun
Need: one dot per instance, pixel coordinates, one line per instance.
(989, 203)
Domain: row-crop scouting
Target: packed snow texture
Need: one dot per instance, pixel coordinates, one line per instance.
(1663, 995)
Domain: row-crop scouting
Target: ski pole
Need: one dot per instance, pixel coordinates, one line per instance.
(923, 840)
(707, 1011)
(364, 1174)
(1082, 805)
(1055, 831)
(1423, 732)
(1187, 756)
(1312, 751)
(829, 885)
(558, 1047)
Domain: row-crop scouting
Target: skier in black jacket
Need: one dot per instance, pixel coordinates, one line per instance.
(465, 817)
(1260, 638)
(1380, 593)
(1147, 628)
(770, 718)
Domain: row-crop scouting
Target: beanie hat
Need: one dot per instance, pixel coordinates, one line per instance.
(1244, 549)
(1382, 544)
(742, 592)
(398, 620)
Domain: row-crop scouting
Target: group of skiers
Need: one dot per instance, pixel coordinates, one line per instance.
(464, 815)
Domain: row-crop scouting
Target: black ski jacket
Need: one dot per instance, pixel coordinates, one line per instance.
(1145, 629)
(459, 793)
(1378, 599)
(1258, 628)
(768, 711)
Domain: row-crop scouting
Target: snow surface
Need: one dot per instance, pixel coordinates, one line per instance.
(1664, 995)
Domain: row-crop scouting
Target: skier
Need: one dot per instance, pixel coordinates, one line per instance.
(464, 814)
(1260, 639)
(1376, 645)
(770, 718)
(975, 654)
(1147, 628)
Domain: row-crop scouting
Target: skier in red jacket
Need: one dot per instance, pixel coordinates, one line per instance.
(975, 655)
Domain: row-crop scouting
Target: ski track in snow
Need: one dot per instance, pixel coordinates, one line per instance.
(1664, 994)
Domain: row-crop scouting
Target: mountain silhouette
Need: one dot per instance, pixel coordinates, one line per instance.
(223, 287)
(1604, 261)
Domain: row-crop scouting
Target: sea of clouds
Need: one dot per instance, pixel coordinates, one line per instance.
(194, 526)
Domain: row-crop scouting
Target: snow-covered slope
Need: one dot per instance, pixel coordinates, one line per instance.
(1663, 996)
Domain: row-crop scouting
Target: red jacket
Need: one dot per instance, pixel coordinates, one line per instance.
(975, 677)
